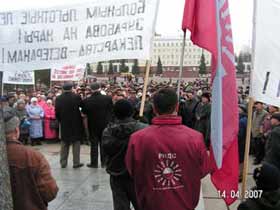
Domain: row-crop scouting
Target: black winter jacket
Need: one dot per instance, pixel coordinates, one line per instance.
(273, 147)
(115, 140)
(268, 201)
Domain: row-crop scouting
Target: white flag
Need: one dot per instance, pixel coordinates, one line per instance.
(266, 73)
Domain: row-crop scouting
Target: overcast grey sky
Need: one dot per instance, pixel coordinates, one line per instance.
(169, 16)
(171, 12)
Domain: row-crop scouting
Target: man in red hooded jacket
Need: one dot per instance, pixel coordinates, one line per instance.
(167, 160)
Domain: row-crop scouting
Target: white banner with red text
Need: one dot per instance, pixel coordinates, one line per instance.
(68, 73)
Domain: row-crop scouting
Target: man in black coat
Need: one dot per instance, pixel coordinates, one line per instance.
(68, 114)
(98, 109)
(188, 108)
(272, 155)
(266, 194)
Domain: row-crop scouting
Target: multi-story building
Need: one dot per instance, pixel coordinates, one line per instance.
(168, 50)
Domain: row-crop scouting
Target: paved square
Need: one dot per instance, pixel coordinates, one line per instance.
(88, 189)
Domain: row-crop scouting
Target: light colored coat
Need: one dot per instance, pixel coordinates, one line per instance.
(36, 128)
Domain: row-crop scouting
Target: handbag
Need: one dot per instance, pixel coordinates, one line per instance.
(54, 124)
(25, 123)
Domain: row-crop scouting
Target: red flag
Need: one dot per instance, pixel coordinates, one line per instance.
(210, 26)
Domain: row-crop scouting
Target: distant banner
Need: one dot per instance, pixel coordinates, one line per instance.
(68, 73)
(266, 73)
(19, 77)
(85, 33)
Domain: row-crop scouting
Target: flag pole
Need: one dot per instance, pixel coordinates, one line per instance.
(2, 84)
(247, 148)
(2, 89)
(250, 112)
(146, 80)
(181, 64)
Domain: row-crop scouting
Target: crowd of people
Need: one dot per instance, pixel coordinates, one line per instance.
(148, 150)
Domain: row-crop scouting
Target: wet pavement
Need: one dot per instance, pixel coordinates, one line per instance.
(88, 189)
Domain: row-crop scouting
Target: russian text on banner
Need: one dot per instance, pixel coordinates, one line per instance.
(265, 80)
(85, 33)
(19, 77)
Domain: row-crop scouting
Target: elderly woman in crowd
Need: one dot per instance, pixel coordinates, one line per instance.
(50, 123)
(36, 115)
(41, 100)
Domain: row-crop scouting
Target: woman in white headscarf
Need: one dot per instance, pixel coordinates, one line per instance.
(36, 115)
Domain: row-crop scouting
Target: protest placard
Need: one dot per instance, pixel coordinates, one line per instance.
(68, 73)
(19, 77)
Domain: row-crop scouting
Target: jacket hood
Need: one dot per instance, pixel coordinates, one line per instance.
(123, 128)
(271, 200)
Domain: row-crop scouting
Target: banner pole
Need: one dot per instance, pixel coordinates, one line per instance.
(146, 80)
(2, 84)
(247, 148)
(2, 88)
(181, 64)
(250, 112)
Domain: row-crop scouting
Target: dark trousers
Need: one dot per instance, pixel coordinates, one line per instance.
(259, 149)
(123, 192)
(36, 141)
(95, 142)
(24, 138)
(64, 153)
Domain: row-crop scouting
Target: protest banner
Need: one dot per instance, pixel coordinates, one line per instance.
(19, 77)
(265, 81)
(68, 73)
(85, 33)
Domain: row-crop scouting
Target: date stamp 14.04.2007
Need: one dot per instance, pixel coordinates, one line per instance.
(249, 194)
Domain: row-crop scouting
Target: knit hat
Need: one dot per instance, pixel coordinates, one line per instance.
(206, 95)
(199, 93)
(243, 107)
(95, 86)
(34, 99)
(3, 99)
(11, 122)
(267, 177)
(20, 101)
(67, 87)
(276, 116)
(123, 109)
